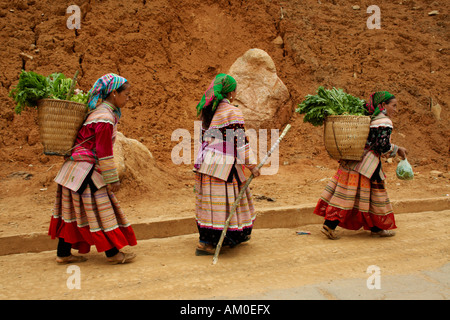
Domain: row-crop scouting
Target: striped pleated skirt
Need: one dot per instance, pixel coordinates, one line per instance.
(214, 199)
(90, 219)
(356, 202)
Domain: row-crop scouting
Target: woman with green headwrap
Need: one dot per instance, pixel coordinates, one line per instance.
(356, 196)
(219, 168)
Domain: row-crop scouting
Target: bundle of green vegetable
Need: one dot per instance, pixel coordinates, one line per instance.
(33, 87)
(329, 102)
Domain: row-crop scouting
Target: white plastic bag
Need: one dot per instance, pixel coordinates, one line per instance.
(404, 170)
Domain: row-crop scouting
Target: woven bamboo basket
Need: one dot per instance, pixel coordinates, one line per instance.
(345, 136)
(59, 122)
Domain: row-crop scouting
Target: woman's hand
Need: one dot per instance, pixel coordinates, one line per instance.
(255, 172)
(114, 187)
(402, 152)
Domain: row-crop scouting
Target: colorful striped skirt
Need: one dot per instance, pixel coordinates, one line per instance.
(90, 219)
(214, 199)
(356, 201)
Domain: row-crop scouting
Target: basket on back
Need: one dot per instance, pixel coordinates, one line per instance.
(59, 122)
(345, 136)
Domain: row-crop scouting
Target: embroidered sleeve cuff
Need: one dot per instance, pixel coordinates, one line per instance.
(393, 150)
(108, 169)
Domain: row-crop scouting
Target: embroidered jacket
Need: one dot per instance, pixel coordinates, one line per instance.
(378, 144)
(95, 153)
(225, 145)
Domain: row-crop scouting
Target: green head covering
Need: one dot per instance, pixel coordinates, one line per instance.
(217, 90)
(374, 106)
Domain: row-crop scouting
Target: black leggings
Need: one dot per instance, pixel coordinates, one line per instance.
(332, 224)
(64, 248)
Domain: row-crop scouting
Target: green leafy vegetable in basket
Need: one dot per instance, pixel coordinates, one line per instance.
(59, 85)
(31, 88)
(330, 102)
(80, 97)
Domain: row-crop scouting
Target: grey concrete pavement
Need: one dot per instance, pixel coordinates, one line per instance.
(424, 285)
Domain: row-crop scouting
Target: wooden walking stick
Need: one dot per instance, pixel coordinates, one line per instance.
(241, 193)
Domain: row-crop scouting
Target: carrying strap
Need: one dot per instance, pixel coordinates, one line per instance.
(68, 151)
(85, 117)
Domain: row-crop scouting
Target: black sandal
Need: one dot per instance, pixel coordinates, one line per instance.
(330, 233)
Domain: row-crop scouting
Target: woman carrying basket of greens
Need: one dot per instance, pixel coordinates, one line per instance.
(219, 169)
(356, 196)
(86, 210)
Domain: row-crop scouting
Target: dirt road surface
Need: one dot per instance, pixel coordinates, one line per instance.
(176, 48)
(275, 264)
